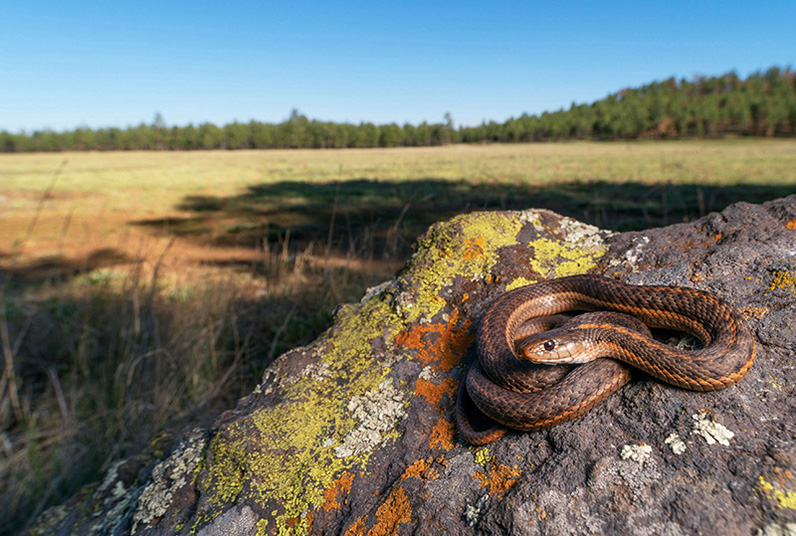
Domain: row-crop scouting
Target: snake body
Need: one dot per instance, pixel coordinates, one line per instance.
(504, 390)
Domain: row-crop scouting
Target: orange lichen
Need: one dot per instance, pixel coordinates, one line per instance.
(423, 469)
(500, 478)
(357, 528)
(754, 312)
(440, 344)
(393, 512)
(791, 225)
(434, 392)
(416, 469)
(442, 434)
(341, 486)
(474, 248)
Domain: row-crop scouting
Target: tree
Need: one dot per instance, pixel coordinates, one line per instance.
(762, 104)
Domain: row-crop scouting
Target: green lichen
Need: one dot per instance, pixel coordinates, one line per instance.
(283, 457)
(464, 247)
(560, 259)
(519, 283)
(297, 460)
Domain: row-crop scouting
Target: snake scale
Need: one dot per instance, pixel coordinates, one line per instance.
(505, 390)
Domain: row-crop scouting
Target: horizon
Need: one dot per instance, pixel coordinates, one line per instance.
(158, 117)
(117, 66)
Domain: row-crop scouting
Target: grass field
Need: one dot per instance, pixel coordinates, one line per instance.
(138, 290)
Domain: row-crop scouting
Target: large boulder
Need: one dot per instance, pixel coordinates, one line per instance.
(354, 434)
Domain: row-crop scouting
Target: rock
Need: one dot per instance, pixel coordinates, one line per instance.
(354, 434)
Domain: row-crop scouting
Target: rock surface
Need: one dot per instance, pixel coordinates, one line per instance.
(354, 434)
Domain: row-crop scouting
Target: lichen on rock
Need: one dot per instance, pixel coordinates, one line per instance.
(168, 476)
(354, 433)
(377, 413)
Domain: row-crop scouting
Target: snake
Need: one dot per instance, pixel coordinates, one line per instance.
(536, 368)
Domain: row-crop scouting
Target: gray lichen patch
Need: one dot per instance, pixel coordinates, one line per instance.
(377, 290)
(49, 520)
(317, 371)
(570, 231)
(633, 255)
(675, 443)
(473, 512)
(776, 529)
(377, 412)
(637, 453)
(110, 479)
(167, 477)
(582, 234)
(711, 431)
(233, 522)
(117, 501)
(634, 478)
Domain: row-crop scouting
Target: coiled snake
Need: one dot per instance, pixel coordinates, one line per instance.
(515, 393)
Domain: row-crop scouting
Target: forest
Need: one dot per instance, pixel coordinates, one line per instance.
(763, 104)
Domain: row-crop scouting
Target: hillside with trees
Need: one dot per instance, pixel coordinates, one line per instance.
(763, 104)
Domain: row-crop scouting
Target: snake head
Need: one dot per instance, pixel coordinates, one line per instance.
(555, 347)
(581, 339)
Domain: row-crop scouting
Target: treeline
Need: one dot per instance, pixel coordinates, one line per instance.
(295, 133)
(763, 104)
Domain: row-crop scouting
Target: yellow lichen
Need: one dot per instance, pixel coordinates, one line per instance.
(462, 247)
(298, 463)
(297, 466)
(780, 489)
(483, 457)
(783, 280)
(554, 259)
(520, 282)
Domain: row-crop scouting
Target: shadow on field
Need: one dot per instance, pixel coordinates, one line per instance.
(381, 219)
(100, 368)
(58, 267)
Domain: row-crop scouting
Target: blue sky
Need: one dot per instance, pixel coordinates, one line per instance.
(98, 64)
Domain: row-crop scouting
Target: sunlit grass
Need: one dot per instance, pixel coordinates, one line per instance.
(156, 286)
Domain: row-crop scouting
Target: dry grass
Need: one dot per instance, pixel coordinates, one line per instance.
(140, 290)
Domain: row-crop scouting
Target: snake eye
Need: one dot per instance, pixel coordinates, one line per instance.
(549, 345)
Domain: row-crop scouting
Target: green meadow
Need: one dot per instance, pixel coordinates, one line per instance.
(139, 290)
